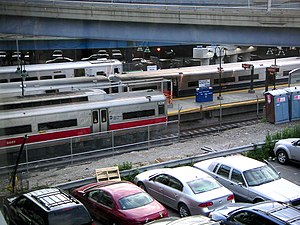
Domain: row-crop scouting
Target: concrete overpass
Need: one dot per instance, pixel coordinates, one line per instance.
(131, 24)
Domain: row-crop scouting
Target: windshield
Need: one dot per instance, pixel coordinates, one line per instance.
(261, 175)
(203, 185)
(70, 216)
(135, 201)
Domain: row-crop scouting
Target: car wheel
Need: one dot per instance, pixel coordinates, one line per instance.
(183, 210)
(6, 216)
(282, 157)
(142, 186)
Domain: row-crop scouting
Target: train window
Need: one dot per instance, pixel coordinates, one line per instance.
(3, 80)
(285, 73)
(193, 84)
(116, 70)
(103, 116)
(225, 80)
(57, 124)
(19, 79)
(79, 73)
(59, 76)
(144, 88)
(95, 116)
(161, 109)
(101, 73)
(137, 114)
(248, 77)
(15, 130)
(31, 78)
(45, 77)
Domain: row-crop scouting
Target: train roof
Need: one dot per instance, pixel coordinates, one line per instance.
(61, 66)
(207, 69)
(108, 101)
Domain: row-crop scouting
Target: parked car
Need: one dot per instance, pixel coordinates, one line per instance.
(251, 180)
(262, 213)
(287, 150)
(49, 206)
(189, 220)
(119, 203)
(186, 189)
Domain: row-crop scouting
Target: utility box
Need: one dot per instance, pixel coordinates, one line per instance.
(294, 102)
(277, 106)
(204, 94)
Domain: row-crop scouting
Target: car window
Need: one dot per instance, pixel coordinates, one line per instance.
(224, 171)
(95, 195)
(250, 218)
(107, 200)
(260, 175)
(203, 185)
(135, 201)
(163, 178)
(174, 183)
(69, 216)
(236, 176)
(31, 210)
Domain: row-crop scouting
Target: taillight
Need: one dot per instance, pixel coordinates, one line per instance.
(206, 204)
(230, 197)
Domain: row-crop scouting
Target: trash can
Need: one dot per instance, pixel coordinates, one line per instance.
(204, 94)
(277, 106)
(294, 102)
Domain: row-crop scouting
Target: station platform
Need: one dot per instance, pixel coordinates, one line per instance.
(231, 99)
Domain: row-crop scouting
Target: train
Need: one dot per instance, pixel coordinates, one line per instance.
(53, 71)
(179, 82)
(70, 114)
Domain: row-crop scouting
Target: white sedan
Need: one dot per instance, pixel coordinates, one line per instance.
(186, 189)
(287, 150)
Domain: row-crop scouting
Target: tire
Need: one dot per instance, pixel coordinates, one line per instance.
(282, 157)
(183, 210)
(142, 186)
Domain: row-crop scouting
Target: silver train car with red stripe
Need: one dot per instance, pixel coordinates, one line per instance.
(63, 115)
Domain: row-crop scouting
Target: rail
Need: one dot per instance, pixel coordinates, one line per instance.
(172, 163)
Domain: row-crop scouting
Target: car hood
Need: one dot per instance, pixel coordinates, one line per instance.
(278, 190)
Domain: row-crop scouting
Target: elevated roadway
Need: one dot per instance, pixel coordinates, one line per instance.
(257, 25)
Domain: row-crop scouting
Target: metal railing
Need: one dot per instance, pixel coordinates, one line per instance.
(97, 145)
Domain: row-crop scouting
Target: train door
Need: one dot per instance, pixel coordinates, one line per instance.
(99, 120)
(175, 87)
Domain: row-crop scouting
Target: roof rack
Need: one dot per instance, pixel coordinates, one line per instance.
(52, 197)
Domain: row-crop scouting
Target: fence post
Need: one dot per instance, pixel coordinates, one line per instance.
(71, 150)
(113, 142)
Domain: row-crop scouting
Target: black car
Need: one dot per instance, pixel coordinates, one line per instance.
(262, 213)
(49, 206)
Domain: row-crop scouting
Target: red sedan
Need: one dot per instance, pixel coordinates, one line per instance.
(119, 203)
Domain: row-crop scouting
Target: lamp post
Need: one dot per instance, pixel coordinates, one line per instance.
(274, 68)
(221, 50)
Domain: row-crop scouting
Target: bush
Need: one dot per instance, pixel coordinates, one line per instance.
(267, 150)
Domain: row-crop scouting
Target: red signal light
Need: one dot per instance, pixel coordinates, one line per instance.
(158, 49)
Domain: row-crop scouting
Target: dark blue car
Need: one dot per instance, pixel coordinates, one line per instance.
(262, 213)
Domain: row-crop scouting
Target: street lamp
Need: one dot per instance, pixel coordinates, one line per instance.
(221, 50)
(272, 71)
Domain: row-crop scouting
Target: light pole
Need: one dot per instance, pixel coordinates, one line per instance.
(221, 50)
(274, 68)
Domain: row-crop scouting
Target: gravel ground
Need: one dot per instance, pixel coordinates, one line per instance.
(221, 141)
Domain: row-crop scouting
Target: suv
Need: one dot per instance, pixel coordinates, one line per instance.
(49, 206)
(287, 150)
(262, 213)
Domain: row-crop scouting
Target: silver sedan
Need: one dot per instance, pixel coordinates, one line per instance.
(186, 189)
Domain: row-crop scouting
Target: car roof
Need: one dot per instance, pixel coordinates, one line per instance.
(120, 189)
(186, 173)
(281, 211)
(239, 162)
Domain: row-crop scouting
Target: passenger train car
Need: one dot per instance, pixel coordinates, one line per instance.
(62, 115)
(181, 81)
(186, 79)
(100, 67)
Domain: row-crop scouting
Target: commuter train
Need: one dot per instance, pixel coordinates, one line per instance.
(184, 80)
(62, 115)
(100, 67)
